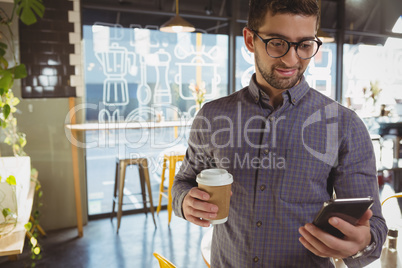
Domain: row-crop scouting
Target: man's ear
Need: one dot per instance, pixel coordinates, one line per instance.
(248, 36)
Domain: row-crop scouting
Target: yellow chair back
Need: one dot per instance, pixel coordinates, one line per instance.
(163, 262)
(397, 195)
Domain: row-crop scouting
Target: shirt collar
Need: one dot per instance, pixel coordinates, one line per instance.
(295, 93)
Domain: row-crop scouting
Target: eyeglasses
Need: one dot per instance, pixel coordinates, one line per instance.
(278, 47)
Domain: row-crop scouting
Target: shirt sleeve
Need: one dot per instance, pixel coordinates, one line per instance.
(356, 175)
(197, 158)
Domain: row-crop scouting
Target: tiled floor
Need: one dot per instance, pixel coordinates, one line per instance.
(132, 247)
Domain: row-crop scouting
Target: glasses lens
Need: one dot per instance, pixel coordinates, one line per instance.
(277, 47)
(307, 49)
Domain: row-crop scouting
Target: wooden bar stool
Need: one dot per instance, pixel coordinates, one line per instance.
(173, 158)
(121, 165)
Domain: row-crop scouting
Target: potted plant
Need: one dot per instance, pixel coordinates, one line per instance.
(15, 171)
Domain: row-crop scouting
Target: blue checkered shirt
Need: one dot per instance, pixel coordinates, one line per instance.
(285, 163)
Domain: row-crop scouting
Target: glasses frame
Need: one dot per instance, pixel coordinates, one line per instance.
(290, 44)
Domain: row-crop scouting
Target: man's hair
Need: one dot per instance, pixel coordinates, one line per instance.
(259, 8)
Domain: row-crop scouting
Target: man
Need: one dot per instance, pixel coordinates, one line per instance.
(289, 149)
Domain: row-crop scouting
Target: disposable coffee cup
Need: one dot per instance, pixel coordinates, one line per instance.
(218, 184)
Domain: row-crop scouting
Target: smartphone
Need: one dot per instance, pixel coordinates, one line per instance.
(348, 209)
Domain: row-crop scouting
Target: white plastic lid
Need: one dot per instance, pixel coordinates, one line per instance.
(214, 177)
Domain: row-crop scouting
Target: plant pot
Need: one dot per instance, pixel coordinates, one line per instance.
(14, 197)
(8, 208)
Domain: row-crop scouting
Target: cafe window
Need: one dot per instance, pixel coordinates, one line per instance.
(373, 74)
(142, 75)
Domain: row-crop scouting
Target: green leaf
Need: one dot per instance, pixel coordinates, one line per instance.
(6, 110)
(2, 91)
(22, 141)
(20, 71)
(6, 212)
(3, 45)
(36, 250)
(29, 10)
(33, 241)
(28, 226)
(11, 180)
(3, 49)
(7, 140)
(6, 81)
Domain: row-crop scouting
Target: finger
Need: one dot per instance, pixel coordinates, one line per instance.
(200, 205)
(308, 246)
(349, 230)
(198, 221)
(321, 241)
(365, 218)
(307, 241)
(199, 194)
(200, 209)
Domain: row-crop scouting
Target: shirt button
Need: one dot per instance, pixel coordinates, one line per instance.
(272, 118)
(259, 223)
(262, 187)
(266, 151)
(256, 259)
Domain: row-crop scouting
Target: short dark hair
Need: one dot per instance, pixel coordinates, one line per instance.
(259, 8)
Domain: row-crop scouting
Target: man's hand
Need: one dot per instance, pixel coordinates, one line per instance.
(325, 245)
(196, 209)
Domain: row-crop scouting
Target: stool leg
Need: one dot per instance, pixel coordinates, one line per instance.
(172, 172)
(148, 182)
(116, 179)
(142, 181)
(161, 186)
(122, 177)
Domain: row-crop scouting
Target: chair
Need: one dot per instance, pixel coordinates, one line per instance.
(163, 262)
(121, 165)
(173, 155)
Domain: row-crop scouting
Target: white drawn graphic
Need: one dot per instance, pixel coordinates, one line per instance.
(187, 70)
(115, 62)
(115, 30)
(106, 116)
(139, 52)
(161, 61)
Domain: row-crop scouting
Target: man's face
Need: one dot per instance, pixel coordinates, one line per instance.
(285, 72)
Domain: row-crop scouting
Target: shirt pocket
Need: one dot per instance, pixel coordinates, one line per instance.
(305, 178)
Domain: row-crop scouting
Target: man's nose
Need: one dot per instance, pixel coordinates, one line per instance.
(290, 58)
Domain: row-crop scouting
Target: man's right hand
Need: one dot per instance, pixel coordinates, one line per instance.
(196, 209)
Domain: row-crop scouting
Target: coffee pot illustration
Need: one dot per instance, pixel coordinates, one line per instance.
(116, 62)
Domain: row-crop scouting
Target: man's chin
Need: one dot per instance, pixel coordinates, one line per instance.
(285, 83)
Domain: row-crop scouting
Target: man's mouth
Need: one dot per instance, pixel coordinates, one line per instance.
(286, 72)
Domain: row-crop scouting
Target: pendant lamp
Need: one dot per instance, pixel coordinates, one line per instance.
(323, 36)
(177, 24)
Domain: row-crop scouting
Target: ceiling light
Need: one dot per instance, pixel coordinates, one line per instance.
(177, 24)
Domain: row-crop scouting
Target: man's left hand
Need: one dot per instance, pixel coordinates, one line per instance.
(325, 245)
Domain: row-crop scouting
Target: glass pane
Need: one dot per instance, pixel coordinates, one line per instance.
(244, 64)
(142, 78)
(373, 76)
